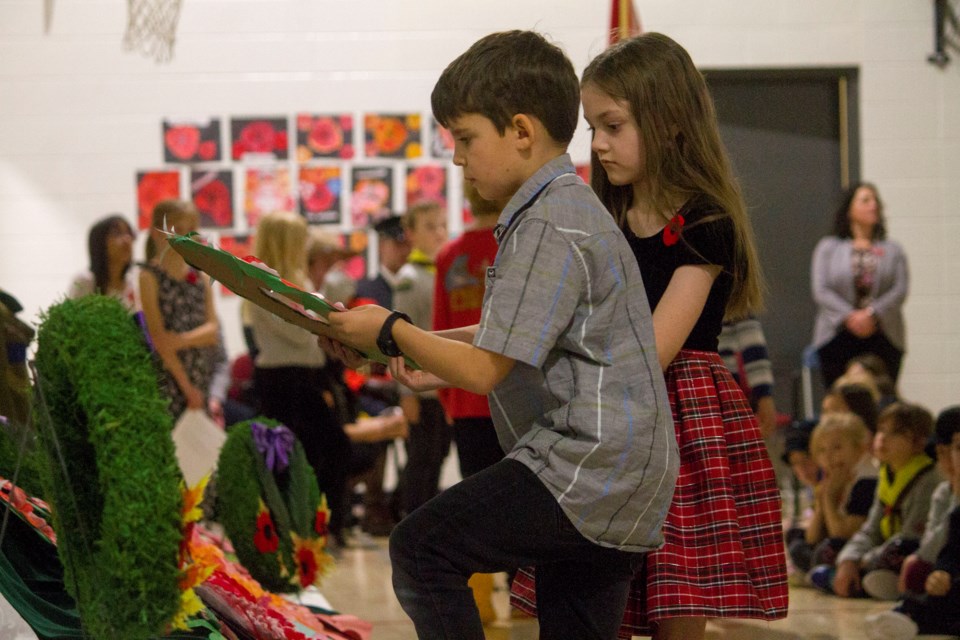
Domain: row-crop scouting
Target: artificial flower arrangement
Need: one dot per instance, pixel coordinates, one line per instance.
(270, 506)
(110, 473)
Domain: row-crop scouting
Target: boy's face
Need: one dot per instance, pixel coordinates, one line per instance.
(429, 231)
(616, 137)
(487, 157)
(836, 453)
(892, 448)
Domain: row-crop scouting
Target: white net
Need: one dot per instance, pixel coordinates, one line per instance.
(152, 27)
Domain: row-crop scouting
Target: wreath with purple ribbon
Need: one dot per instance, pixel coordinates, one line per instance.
(270, 506)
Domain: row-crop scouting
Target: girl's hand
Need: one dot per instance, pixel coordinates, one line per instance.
(412, 378)
(195, 398)
(847, 581)
(938, 583)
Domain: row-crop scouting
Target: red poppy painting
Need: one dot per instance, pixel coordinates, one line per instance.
(372, 196)
(583, 170)
(320, 189)
(152, 187)
(392, 135)
(359, 242)
(324, 136)
(267, 189)
(427, 182)
(190, 141)
(212, 193)
(441, 140)
(258, 138)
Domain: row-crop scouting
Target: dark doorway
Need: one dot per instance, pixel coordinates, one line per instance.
(793, 139)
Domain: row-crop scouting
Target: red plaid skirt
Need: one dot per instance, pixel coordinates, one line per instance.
(723, 555)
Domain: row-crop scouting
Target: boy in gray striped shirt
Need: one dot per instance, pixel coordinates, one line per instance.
(565, 352)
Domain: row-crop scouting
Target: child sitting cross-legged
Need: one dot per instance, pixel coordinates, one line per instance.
(899, 511)
(843, 495)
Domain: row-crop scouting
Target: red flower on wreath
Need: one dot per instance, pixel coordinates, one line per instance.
(265, 539)
(322, 517)
(671, 233)
(307, 565)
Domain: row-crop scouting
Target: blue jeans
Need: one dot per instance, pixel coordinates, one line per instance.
(501, 519)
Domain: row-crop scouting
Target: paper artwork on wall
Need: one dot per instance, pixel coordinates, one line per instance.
(267, 189)
(212, 193)
(427, 182)
(372, 196)
(583, 170)
(324, 136)
(320, 189)
(392, 135)
(259, 138)
(441, 140)
(152, 187)
(189, 141)
(358, 241)
(240, 245)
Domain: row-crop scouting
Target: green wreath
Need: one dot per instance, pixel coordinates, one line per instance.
(270, 506)
(111, 478)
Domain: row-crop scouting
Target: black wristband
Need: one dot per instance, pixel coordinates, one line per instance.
(385, 341)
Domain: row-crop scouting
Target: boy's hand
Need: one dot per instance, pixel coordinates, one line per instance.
(847, 581)
(358, 327)
(347, 355)
(938, 583)
(417, 380)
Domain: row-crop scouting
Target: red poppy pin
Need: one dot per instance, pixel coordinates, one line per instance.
(671, 232)
(192, 276)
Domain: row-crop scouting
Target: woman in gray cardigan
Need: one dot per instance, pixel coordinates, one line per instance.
(859, 281)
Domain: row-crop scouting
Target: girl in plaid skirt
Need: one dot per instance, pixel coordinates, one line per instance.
(660, 168)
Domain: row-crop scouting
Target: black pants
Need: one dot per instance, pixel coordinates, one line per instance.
(428, 444)
(477, 444)
(845, 346)
(294, 396)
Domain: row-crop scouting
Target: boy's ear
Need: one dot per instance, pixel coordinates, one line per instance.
(524, 130)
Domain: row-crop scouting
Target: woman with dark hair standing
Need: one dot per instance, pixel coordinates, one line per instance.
(859, 281)
(110, 243)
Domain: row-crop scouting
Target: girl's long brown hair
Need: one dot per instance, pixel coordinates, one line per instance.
(685, 157)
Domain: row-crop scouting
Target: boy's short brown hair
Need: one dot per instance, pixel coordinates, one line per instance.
(907, 419)
(507, 73)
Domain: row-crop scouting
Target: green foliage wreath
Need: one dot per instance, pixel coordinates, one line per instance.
(113, 480)
(270, 506)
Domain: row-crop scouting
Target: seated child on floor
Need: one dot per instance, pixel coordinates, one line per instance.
(843, 495)
(936, 610)
(898, 515)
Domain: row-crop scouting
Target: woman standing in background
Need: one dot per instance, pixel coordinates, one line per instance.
(859, 281)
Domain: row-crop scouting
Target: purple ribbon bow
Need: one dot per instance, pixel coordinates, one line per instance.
(274, 444)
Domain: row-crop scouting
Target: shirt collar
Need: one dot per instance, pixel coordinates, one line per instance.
(530, 189)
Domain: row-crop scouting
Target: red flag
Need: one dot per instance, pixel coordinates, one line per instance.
(624, 21)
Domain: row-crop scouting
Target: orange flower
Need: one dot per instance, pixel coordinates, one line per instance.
(312, 561)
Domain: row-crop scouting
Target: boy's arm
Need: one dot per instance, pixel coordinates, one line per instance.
(866, 538)
(458, 363)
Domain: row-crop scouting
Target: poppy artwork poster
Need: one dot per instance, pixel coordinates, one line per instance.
(190, 141)
(392, 135)
(252, 138)
(212, 193)
(441, 140)
(324, 136)
(320, 189)
(371, 198)
(239, 245)
(359, 242)
(152, 187)
(267, 189)
(427, 182)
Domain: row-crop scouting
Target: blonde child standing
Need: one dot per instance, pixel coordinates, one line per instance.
(661, 170)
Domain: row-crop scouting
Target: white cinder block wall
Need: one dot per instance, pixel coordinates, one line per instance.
(78, 115)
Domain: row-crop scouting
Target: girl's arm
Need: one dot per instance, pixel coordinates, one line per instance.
(680, 307)
(837, 524)
(164, 341)
(208, 333)
(815, 529)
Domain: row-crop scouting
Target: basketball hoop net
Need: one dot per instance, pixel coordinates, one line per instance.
(152, 27)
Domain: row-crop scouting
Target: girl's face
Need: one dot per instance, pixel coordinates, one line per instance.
(894, 449)
(616, 136)
(120, 244)
(864, 208)
(836, 453)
